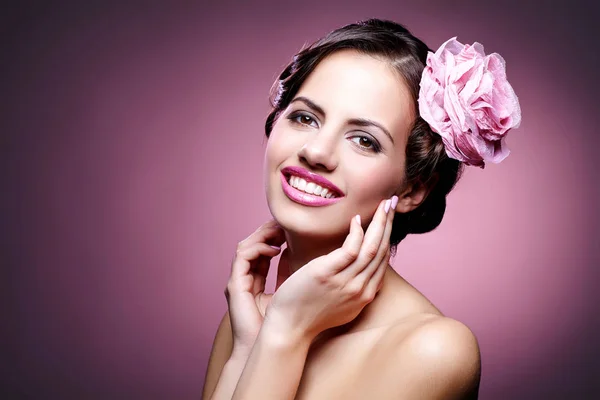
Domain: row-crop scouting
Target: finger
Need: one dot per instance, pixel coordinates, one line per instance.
(269, 224)
(277, 238)
(269, 233)
(366, 274)
(242, 262)
(261, 271)
(371, 243)
(283, 269)
(340, 258)
(376, 281)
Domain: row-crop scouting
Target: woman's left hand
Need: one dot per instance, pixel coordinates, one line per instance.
(332, 290)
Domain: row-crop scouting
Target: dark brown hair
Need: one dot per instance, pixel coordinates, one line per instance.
(426, 160)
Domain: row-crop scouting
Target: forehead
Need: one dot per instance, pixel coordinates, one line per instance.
(348, 84)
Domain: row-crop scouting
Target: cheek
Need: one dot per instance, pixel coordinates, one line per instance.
(281, 147)
(282, 144)
(371, 185)
(367, 187)
(274, 149)
(386, 177)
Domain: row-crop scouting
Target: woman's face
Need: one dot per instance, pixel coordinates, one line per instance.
(349, 124)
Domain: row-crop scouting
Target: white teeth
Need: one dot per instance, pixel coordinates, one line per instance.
(310, 187)
(301, 184)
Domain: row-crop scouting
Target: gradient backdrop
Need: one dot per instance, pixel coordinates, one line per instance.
(131, 146)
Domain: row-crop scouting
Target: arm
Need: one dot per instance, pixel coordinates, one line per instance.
(228, 380)
(275, 366)
(246, 302)
(224, 368)
(329, 291)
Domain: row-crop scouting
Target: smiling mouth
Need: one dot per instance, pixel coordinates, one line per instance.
(311, 188)
(324, 198)
(310, 183)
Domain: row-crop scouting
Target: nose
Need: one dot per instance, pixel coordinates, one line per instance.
(320, 152)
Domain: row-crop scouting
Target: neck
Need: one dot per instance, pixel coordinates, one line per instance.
(303, 249)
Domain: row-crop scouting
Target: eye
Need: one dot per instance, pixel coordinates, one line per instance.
(303, 119)
(367, 143)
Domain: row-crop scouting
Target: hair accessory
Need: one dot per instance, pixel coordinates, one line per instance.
(465, 97)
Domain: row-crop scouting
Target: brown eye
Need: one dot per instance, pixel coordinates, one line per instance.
(363, 141)
(366, 143)
(303, 119)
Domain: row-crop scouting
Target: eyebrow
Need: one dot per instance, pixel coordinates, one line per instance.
(364, 122)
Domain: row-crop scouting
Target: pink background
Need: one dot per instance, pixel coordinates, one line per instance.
(131, 163)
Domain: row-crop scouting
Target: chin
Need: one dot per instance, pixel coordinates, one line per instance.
(308, 223)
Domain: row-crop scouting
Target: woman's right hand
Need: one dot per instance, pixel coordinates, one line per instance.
(245, 294)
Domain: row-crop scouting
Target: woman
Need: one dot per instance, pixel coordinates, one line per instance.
(368, 134)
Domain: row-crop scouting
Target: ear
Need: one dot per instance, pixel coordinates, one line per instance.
(413, 195)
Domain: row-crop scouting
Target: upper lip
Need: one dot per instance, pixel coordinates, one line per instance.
(312, 177)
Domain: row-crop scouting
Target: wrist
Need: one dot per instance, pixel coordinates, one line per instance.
(235, 364)
(283, 335)
(240, 353)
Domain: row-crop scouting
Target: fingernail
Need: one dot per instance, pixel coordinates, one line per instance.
(394, 201)
(276, 247)
(358, 218)
(387, 206)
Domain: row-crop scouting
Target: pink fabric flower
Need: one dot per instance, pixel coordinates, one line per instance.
(465, 97)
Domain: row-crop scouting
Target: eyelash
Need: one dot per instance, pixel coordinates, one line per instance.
(374, 145)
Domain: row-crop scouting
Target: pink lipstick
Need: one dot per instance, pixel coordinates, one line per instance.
(304, 198)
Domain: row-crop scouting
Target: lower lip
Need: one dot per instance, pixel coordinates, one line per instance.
(304, 198)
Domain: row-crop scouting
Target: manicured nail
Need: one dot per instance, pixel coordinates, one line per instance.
(358, 218)
(394, 201)
(387, 205)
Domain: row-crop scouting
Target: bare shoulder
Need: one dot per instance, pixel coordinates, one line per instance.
(438, 357)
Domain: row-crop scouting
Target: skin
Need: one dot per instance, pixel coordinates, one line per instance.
(341, 318)
(329, 146)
